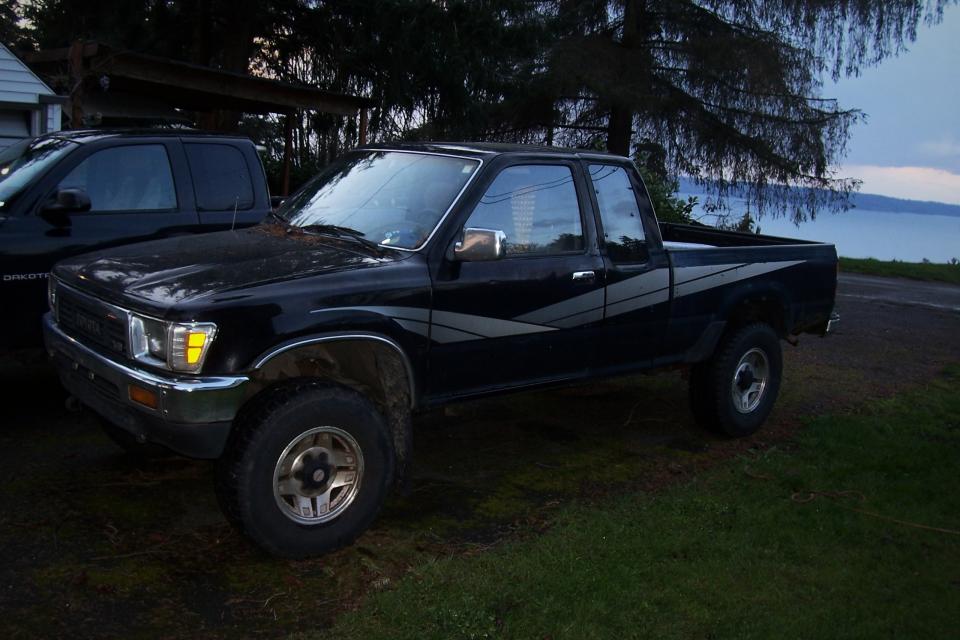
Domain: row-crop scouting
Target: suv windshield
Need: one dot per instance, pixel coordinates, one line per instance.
(26, 161)
(391, 198)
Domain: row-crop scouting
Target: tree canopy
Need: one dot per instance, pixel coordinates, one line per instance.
(729, 92)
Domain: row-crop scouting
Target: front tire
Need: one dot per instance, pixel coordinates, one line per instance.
(734, 392)
(307, 470)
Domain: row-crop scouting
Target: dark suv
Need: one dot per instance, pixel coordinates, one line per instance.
(72, 192)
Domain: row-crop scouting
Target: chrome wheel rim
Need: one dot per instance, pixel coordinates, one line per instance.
(750, 380)
(318, 475)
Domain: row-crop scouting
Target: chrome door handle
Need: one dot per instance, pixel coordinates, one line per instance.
(583, 275)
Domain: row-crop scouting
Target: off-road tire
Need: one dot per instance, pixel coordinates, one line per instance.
(711, 399)
(244, 475)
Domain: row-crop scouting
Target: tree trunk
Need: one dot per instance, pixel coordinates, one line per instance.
(620, 125)
(620, 130)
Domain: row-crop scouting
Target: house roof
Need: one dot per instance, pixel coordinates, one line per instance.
(18, 84)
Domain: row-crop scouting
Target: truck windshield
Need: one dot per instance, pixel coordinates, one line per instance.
(26, 161)
(391, 198)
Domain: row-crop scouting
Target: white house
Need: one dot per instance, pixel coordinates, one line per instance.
(28, 107)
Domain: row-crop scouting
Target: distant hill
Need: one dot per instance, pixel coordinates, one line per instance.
(868, 201)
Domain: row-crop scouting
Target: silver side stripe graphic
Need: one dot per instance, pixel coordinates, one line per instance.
(696, 279)
(423, 328)
(641, 291)
(407, 313)
(447, 326)
(586, 303)
(638, 292)
(486, 327)
(643, 284)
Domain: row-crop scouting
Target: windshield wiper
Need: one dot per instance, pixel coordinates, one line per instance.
(342, 232)
(279, 218)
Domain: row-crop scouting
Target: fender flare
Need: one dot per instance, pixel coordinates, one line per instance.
(306, 341)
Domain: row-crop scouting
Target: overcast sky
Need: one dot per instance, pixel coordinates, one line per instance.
(909, 147)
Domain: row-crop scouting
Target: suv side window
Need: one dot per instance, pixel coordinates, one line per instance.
(536, 207)
(128, 178)
(221, 178)
(619, 214)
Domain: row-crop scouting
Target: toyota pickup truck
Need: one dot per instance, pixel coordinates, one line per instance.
(406, 277)
(71, 192)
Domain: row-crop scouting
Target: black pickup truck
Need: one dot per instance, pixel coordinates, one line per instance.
(70, 192)
(403, 278)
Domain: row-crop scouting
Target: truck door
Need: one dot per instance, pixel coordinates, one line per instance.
(532, 315)
(637, 271)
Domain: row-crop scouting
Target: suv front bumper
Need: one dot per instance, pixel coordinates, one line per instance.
(193, 415)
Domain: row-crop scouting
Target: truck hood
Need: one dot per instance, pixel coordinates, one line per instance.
(163, 273)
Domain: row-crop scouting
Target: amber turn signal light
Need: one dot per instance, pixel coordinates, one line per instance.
(144, 397)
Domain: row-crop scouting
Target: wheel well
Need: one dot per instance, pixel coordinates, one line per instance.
(371, 367)
(768, 310)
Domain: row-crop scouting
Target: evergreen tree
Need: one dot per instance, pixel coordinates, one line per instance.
(730, 91)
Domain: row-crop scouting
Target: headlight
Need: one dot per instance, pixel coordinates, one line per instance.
(189, 344)
(170, 345)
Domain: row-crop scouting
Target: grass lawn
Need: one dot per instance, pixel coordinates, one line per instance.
(896, 269)
(801, 541)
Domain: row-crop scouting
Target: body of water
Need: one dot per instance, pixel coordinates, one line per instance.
(861, 233)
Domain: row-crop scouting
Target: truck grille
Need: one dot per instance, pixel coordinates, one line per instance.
(91, 322)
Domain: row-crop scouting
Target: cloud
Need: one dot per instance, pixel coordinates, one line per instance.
(913, 183)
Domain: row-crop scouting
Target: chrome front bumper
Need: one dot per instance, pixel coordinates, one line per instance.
(193, 416)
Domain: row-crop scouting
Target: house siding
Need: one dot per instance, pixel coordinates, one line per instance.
(22, 115)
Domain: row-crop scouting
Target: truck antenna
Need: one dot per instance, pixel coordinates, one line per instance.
(233, 223)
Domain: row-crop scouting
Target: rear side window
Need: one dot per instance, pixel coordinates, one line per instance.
(221, 177)
(619, 214)
(536, 207)
(129, 178)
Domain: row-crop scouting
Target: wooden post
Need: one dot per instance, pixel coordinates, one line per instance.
(363, 128)
(287, 152)
(75, 68)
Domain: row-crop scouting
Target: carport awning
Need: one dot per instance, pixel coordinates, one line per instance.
(190, 86)
(123, 107)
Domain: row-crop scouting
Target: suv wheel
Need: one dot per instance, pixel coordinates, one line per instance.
(306, 471)
(734, 391)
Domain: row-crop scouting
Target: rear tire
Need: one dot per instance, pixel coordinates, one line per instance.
(307, 470)
(734, 392)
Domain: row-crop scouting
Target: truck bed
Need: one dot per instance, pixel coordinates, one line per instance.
(797, 277)
(699, 236)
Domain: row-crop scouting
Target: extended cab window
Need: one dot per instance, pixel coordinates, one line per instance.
(536, 207)
(619, 214)
(129, 178)
(221, 178)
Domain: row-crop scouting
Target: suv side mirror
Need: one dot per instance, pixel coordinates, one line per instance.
(67, 200)
(480, 245)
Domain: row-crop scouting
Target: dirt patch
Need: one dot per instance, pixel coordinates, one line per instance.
(95, 545)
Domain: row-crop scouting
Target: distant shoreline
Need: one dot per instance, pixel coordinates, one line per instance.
(861, 201)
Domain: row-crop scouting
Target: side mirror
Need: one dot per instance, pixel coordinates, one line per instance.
(68, 200)
(480, 245)
(276, 201)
